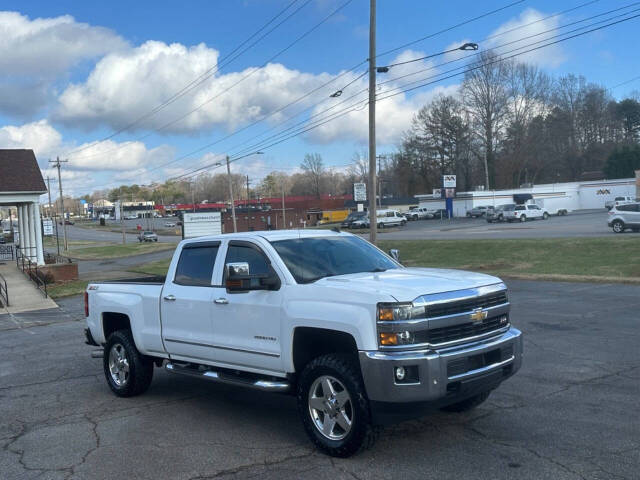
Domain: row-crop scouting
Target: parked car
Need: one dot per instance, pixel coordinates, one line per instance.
(624, 216)
(475, 212)
(360, 222)
(355, 336)
(496, 214)
(390, 218)
(441, 213)
(420, 213)
(131, 217)
(169, 224)
(618, 201)
(67, 222)
(147, 236)
(522, 213)
(2, 239)
(352, 217)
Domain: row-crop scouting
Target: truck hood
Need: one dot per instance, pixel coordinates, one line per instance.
(406, 284)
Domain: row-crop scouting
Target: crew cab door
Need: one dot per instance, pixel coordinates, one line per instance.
(186, 303)
(246, 324)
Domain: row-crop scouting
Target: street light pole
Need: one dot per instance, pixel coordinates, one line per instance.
(233, 207)
(372, 123)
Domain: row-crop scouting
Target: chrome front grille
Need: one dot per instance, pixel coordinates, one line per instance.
(453, 333)
(466, 305)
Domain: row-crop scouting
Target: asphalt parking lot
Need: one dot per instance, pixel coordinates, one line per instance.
(586, 223)
(570, 413)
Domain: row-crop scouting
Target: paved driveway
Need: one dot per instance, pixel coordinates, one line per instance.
(570, 413)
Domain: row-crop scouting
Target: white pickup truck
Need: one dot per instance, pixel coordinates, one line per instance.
(359, 339)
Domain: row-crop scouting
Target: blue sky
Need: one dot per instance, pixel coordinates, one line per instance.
(74, 72)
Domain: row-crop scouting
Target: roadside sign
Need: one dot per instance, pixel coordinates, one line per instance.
(360, 192)
(437, 193)
(201, 224)
(47, 227)
(449, 192)
(449, 181)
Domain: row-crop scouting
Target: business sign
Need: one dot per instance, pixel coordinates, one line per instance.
(449, 181)
(47, 227)
(603, 191)
(437, 193)
(201, 224)
(360, 192)
(449, 192)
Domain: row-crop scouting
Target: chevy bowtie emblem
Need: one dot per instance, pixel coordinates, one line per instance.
(478, 315)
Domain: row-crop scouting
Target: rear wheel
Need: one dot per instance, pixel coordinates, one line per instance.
(381, 225)
(333, 406)
(127, 371)
(545, 216)
(523, 218)
(618, 226)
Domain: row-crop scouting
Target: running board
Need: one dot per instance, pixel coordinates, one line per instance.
(265, 385)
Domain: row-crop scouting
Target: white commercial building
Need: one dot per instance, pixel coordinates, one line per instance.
(21, 185)
(553, 197)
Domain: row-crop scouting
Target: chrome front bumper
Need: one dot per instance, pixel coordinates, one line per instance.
(444, 372)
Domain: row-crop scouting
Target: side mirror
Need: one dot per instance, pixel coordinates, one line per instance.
(239, 278)
(395, 254)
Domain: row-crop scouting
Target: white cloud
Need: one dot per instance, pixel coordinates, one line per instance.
(48, 46)
(34, 53)
(125, 85)
(551, 56)
(39, 136)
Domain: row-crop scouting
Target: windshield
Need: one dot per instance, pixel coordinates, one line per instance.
(355, 215)
(310, 259)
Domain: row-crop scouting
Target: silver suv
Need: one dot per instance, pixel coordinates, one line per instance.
(625, 216)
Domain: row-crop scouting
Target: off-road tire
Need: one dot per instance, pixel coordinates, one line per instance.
(140, 366)
(617, 226)
(344, 368)
(468, 404)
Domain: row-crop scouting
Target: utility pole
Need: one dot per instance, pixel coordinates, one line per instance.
(380, 157)
(372, 123)
(284, 218)
(248, 215)
(64, 220)
(53, 217)
(233, 207)
(193, 198)
(124, 236)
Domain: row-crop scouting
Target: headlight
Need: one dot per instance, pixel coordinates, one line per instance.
(390, 334)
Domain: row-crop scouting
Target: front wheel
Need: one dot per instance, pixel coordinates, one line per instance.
(333, 406)
(618, 226)
(127, 371)
(523, 218)
(545, 216)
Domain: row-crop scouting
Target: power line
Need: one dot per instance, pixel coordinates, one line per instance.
(466, 22)
(207, 74)
(254, 70)
(625, 82)
(517, 41)
(502, 59)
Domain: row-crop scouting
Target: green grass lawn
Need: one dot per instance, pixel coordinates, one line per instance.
(67, 289)
(117, 251)
(159, 267)
(586, 259)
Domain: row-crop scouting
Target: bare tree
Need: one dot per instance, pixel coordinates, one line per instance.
(485, 94)
(313, 167)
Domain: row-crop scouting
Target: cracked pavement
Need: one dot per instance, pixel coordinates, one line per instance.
(570, 413)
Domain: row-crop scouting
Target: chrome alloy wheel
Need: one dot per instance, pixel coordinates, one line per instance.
(330, 407)
(118, 365)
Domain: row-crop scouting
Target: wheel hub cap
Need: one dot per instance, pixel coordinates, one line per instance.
(330, 407)
(118, 365)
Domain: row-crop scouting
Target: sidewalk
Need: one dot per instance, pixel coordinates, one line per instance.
(23, 295)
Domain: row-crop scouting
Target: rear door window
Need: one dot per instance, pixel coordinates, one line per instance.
(195, 267)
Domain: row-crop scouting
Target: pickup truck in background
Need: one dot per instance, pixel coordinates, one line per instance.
(359, 339)
(618, 201)
(420, 213)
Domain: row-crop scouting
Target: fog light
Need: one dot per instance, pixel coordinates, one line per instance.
(400, 373)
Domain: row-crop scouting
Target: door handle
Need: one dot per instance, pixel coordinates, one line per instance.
(170, 298)
(221, 301)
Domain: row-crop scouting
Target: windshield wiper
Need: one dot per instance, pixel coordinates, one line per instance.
(378, 269)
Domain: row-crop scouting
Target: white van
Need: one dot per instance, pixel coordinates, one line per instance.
(390, 218)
